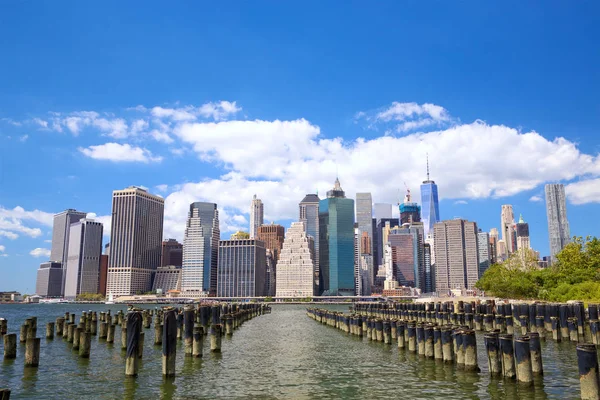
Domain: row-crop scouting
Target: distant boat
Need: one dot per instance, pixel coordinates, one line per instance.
(111, 299)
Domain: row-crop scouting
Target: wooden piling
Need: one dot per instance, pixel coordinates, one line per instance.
(215, 338)
(50, 330)
(523, 360)
(492, 347)
(134, 323)
(589, 380)
(10, 346)
(110, 332)
(85, 344)
(32, 352)
(535, 348)
(198, 341)
(76, 337)
(169, 343)
(508, 359)
(60, 323)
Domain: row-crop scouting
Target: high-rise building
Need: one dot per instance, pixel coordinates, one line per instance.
(429, 201)
(167, 278)
(407, 255)
(135, 240)
(494, 246)
(172, 253)
(272, 235)
(103, 274)
(309, 215)
(507, 221)
(456, 254)
(60, 239)
(336, 243)
(484, 251)
(364, 219)
(522, 230)
(378, 239)
(49, 279)
(271, 276)
(501, 252)
(242, 268)
(558, 224)
(383, 211)
(83, 261)
(357, 282)
(429, 269)
(256, 216)
(409, 211)
(201, 250)
(296, 264)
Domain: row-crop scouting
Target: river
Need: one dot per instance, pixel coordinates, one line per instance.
(282, 355)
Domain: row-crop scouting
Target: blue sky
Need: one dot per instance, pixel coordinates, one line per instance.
(198, 101)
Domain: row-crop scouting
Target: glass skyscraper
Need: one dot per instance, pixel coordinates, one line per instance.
(364, 218)
(558, 224)
(336, 244)
(430, 208)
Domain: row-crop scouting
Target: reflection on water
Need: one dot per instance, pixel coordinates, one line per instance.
(280, 355)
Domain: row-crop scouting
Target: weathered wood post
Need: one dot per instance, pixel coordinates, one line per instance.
(536, 353)
(523, 360)
(540, 329)
(508, 358)
(215, 338)
(412, 337)
(589, 379)
(169, 343)
(76, 337)
(10, 346)
(103, 331)
(3, 326)
(60, 323)
(469, 342)
(400, 325)
(23, 332)
(447, 345)
(198, 341)
(387, 332)
(188, 330)
(70, 332)
(4, 393)
(50, 330)
(492, 347)
(110, 333)
(85, 344)
(556, 332)
(438, 353)
(134, 323)
(428, 341)
(32, 352)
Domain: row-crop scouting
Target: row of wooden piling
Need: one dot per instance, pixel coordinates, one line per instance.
(190, 324)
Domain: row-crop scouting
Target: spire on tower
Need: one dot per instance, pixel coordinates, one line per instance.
(427, 156)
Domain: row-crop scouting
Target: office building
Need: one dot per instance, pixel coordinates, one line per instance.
(336, 243)
(484, 251)
(103, 279)
(60, 239)
(49, 279)
(430, 213)
(522, 234)
(83, 261)
(409, 211)
(507, 221)
(167, 278)
(309, 215)
(493, 246)
(242, 268)
(381, 225)
(201, 250)
(408, 259)
(256, 216)
(429, 269)
(135, 240)
(272, 235)
(296, 264)
(382, 211)
(172, 253)
(456, 254)
(271, 275)
(558, 224)
(364, 219)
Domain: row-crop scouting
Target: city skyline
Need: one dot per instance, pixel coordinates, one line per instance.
(249, 111)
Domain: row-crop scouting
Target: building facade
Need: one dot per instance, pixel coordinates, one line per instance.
(167, 278)
(381, 225)
(296, 264)
(272, 235)
(336, 243)
(408, 257)
(309, 215)
(201, 250)
(103, 279)
(83, 261)
(456, 254)
(522, 231)
(382, 211)
(135, 241)
(256, 216)
(507, 222)
(430, 212)
(558, 224)
(364, 219)
(49, 279)
(172, 253)
(60, 238)
(409, 211)
(484, 251)
(242, 268)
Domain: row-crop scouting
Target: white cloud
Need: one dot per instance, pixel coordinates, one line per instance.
(2, 248)
(586, 191)
(47, 241)
(405, 117)
(9, 235)
(161, 188)
(219, 110)
(176, 114)
(461, 202)
(23, 138)
(536, 199)
(39, 252)
(40, 122)
(106, 221)
(160, 136)
(115, 128)
(119, 153)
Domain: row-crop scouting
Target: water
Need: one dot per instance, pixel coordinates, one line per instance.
(282, 355)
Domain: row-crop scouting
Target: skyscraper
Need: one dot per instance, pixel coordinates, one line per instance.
(135, 240)
(407, 255)
(383, 210)
(522, 234)
(242, 268)
(201, 250)
(456, 254)
(558, 224)
(336, 243)
(378, 240)
(429, 269)
(507, 220)
(295, 267)
(409, 211)
(272, 235)
(364, 218)
(494, 245)
(484, 250)
(256, 216)
(172, 253)
(83, 261)
(49, 279)
(430, 205)
(309, 215)
(60, 239)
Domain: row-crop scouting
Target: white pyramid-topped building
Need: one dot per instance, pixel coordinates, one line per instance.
(295, 267)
